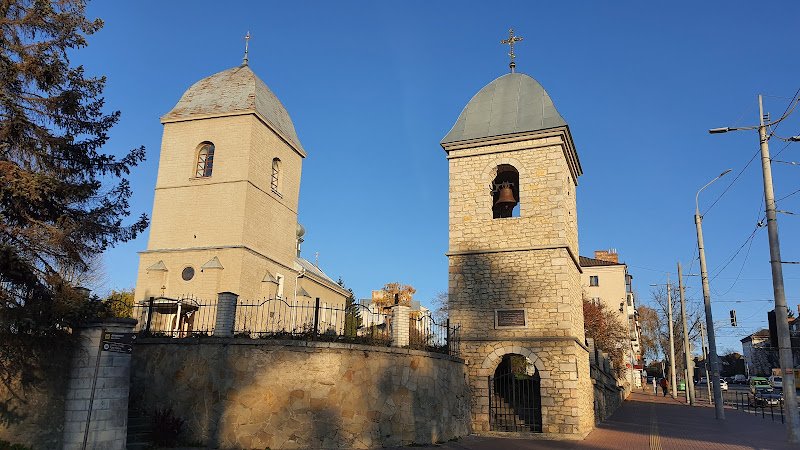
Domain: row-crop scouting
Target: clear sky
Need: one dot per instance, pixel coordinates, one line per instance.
(372, 87)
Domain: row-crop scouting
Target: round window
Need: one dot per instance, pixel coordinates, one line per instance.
(188, 273)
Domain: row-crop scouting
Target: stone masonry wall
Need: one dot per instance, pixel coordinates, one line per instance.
(246, 393)
(32, 401)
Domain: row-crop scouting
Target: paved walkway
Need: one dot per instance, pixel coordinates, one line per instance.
(647, 421)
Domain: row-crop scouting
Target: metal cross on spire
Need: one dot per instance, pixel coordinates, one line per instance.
(510, 42)
(246, 47)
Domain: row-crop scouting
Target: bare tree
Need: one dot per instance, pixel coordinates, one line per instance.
(657, 329)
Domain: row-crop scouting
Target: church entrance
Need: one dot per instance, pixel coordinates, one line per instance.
(515, 402)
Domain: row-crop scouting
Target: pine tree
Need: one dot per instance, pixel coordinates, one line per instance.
(62, 200)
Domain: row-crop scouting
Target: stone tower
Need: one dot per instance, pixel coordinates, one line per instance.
(514, 273)
(226, 197)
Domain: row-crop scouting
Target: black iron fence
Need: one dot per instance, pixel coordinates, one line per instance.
(425, 334)
(767, 405)
(181, 317)
(276, 318)
(312, 320)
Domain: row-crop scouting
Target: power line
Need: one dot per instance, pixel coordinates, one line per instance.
(732, 182)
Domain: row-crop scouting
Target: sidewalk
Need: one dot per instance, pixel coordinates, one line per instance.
(647, 421)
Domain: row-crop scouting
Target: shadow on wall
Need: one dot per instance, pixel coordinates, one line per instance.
(32, 389)
(245, 393)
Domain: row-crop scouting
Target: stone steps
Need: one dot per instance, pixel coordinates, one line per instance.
(139, 429)
(506, 419)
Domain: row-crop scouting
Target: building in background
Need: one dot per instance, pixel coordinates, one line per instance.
(605, 280)
(226, 202)
(756, 350)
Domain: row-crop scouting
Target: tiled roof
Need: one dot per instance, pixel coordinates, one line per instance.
(591, 262)
(232, 91)
(760, 333)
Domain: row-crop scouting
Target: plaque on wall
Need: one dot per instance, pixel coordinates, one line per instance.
(505, 318)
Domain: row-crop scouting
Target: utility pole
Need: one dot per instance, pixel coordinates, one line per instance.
(671, 342)
(687, 350)
(705, 359)
(719, 409)
(781, 313)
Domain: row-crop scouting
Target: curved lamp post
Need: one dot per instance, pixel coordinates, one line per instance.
(712, 340)
(781, 311)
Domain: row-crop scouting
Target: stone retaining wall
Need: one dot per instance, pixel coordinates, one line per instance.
(246, 393)
(608, 392)
(32, 400)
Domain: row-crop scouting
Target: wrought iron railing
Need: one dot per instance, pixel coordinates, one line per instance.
(276, 318)
(312, 320)
(425, 334)
(175, 317)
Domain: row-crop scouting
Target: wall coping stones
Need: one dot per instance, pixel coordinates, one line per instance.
(114, 321)
(293, 343)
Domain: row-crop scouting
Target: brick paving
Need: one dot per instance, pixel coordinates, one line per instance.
(646, 421)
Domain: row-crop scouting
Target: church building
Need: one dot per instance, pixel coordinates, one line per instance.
(226, 200)
(514, 272)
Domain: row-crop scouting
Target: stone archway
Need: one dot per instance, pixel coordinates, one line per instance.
(494, 358)
(515, 400)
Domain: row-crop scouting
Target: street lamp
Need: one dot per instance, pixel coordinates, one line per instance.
(781, 312)
(712, 341)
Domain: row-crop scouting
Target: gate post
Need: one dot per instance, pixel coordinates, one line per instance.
(400, 325)
(226, 314)
(98, 384)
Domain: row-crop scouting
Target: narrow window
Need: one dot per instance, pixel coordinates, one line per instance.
(279, 277)
(205, 160)
(505, 192)
(276, 175)
(594, 280)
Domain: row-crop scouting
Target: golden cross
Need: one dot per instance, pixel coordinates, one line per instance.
(246, 45)
(510, 42)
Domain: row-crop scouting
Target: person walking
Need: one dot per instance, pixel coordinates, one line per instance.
(664, 386)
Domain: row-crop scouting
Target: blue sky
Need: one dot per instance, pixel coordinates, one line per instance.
(372, 87)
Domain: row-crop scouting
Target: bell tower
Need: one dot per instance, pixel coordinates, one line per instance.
(226, 196)
(514, 273)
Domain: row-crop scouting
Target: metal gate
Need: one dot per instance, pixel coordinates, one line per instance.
(515, 403)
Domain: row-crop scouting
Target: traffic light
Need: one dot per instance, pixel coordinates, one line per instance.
(733, 317)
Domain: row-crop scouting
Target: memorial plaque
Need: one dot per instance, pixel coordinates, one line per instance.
(510, 317)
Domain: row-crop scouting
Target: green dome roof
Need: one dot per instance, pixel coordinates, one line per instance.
(513, 103)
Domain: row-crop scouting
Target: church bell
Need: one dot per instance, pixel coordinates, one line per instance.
(505, 198)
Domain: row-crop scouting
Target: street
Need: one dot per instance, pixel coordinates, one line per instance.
(655, 422)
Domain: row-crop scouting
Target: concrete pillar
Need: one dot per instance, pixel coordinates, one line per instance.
(109, 420)
(226, 314)
(400, 315)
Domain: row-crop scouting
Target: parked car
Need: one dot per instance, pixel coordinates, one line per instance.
(776, 381)
(702, 380)
(723, 384)
(740, 379)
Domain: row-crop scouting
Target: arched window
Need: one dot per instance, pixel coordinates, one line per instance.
(276, 175)
(205, 160)
(505, 192)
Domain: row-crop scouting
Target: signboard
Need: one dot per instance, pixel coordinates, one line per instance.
(509, 318)
(118, 342)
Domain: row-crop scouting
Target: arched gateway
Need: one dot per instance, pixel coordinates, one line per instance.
(514, 276)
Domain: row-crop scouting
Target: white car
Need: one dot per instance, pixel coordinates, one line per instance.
(776, 381)
(723, 385)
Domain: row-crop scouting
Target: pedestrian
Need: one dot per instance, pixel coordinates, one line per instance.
(664, 386)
